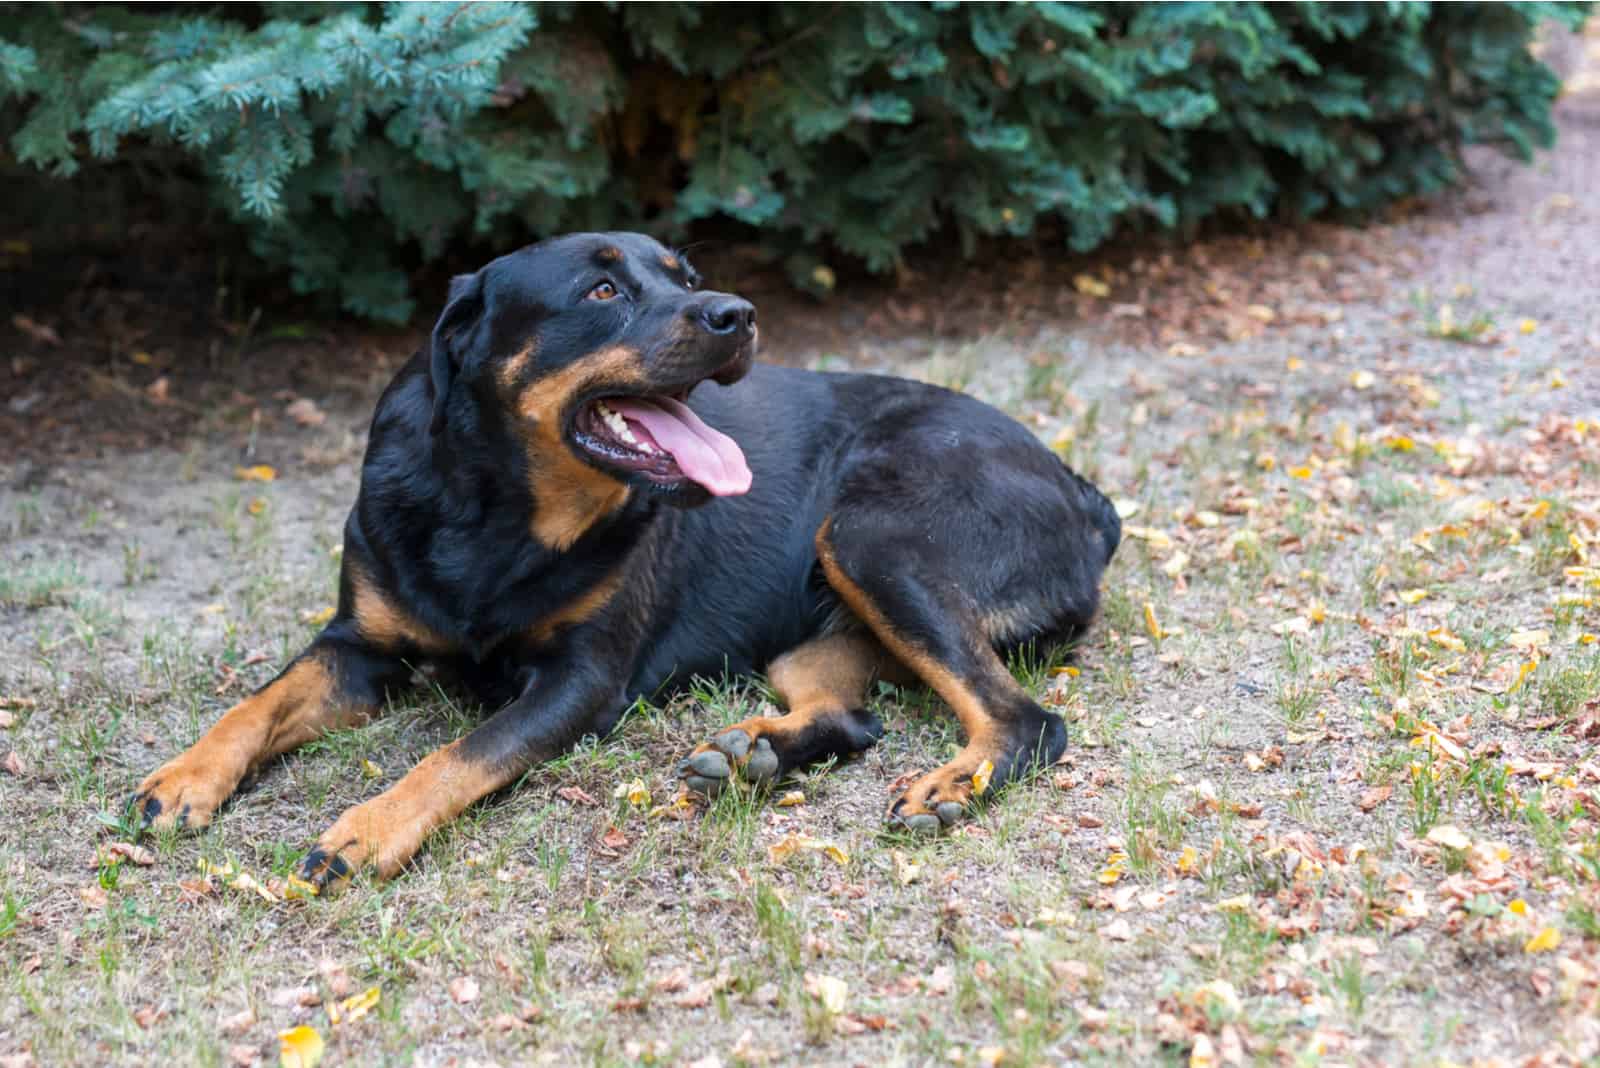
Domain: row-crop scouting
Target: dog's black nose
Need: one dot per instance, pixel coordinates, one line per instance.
(727, 315)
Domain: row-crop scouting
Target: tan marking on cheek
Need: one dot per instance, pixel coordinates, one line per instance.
(580, 609)
(670, 262)
(384, 623)
(570, 495)
(512, 370)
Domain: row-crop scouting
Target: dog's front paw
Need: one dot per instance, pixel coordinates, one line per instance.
(741, 751)
(184, 793)
(374, 834)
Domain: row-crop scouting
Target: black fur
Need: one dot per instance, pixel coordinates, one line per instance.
(945, 511)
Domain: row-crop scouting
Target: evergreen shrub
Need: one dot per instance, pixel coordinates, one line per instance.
(352, 141)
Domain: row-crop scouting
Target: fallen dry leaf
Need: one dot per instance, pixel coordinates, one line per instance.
(300, 1047)
(831, 992)
(132, 853)
(257, 473)
(1547, 939)
(1374, 797)
(791, 844)
(304, 411)
(356, 1006)
(464, 990)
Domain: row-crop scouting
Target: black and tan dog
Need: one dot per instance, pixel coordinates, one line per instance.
(543, 508)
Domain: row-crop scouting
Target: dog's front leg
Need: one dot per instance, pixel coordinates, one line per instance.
(338, 682)
(566, 699)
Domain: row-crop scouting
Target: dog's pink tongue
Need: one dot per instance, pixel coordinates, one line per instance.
(708, 456)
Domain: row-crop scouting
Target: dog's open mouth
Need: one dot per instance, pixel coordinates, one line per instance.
(660, 438)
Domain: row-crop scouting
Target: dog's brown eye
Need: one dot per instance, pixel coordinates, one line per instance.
(603, 291)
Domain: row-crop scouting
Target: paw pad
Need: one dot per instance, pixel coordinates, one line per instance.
(709, 771)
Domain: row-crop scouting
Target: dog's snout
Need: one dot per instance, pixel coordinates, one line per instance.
(728, 315)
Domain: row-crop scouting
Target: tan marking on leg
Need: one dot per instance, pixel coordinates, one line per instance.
(387, 831)
(295, 708)
(570, 494)
(823, 678)
(986, 742)
(383, 623)
(975, 720)
(835, 672)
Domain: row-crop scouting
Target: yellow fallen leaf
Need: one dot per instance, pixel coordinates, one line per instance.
(298, 889)
(1442, 636)
(1412, 596)
(906, 870)
(831, 992)
(299, 1047)
(1090, 286)
(1587, 639)
(1363, 379)
(256, 506)
(1517, 907)
(791, 844)
(1318, 612)
(1399, 443)
(369, 770)
(1547, 939)
(258, 473)
(634, 792)
(1529, 639)
(1068, 670)
(1242, 903)
(1260, 312)
(1523, 672)
(1175, 564)
(1294, 363)
(358, 1005)
(980, 778)
(1115, 867)
(1450, 836)
(1203, 1054)
(1188, 861)
(1301, 471)
(792, 798)
(1151, 624)
(318, 618)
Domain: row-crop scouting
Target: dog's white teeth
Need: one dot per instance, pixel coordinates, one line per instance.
(619, 426)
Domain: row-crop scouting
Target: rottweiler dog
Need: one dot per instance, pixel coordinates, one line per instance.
(556, 504)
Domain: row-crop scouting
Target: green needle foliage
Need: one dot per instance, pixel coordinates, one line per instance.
(348, 141)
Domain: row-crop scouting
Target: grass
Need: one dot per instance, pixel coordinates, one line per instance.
(1230, 760)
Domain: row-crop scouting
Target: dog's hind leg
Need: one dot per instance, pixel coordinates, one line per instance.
(913, 599)
(824, 684)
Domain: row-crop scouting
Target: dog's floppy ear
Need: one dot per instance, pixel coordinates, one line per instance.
(464, 306)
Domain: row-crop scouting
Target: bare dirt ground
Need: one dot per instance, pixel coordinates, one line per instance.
(1331, 798)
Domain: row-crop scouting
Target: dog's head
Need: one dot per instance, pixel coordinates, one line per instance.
(586, 347)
